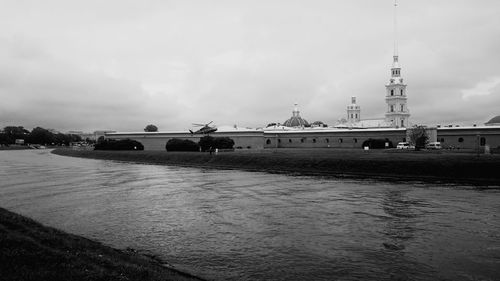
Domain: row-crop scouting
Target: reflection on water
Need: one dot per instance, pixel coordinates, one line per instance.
(234, 225)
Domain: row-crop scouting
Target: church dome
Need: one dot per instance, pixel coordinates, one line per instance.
(495, 121)
(296, 120)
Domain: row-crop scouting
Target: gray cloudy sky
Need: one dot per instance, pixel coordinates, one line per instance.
(122, 64)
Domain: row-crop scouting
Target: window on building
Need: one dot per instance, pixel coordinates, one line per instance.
(392, 108)
(402, 123)
(482, 141)
(279, 140)
(356, 115)
(404, 139)
(314, 140)
(460, 139)
(441, 140)
(290, 140)
(302, 140)
(392, 92)
(402, 108)
(355, 140)
(340, 140)
(401, 91)
(268, 141)
(327, 140)
(352, 116)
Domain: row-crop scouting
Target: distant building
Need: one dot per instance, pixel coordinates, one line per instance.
(495, 121)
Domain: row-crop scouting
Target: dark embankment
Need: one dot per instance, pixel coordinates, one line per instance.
(388, 164)
(31, 251)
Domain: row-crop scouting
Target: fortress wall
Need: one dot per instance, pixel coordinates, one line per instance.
(469, 138)
(333, 139)
(466, 138)
(158, 140)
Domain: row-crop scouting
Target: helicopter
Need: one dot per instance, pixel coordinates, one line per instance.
(205, 129)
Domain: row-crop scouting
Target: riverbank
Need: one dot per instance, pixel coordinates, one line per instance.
(441, 166)
(31, 251)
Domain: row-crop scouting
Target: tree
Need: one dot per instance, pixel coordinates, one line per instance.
(418, 136)
(41, 136)
(223, 143)
(181, 145)
(11, 133)
(125, 144)
(207, 142)
(151, 128)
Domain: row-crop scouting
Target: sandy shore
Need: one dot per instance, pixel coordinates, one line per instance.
(436, 166)
(31, 251)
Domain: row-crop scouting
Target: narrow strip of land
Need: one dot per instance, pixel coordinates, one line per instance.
(441, 166)
(31, 251)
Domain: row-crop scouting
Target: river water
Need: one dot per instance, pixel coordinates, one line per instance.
(236, 225)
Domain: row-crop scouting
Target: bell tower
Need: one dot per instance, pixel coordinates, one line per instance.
(397, 112)
(353, 112)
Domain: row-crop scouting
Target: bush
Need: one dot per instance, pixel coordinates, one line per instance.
(207, 142)
(126, 144)
(377, 143)
(181, 145)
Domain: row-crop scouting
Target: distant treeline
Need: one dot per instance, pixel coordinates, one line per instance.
(38, 135)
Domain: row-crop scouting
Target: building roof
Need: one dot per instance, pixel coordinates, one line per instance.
(493, 121)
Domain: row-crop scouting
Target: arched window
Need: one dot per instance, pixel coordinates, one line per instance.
(482, 141)
(356, 115)
(392, 92)
(460, 139)
(268, 141)
(401, 91)
(402, 107)
(392, 108)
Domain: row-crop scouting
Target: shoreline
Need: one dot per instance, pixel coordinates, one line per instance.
(389, 165)
(32, 251)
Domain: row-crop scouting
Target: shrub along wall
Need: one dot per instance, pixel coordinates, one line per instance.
(126, 144)
(181, 145)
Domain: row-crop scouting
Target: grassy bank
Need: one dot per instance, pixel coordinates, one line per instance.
(31, 251)
(444, 166)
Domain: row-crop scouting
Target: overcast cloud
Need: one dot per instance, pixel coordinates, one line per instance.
(90, 65)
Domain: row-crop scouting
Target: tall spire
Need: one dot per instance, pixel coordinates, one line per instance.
(397, 111)
(395, 28)
(395, 63)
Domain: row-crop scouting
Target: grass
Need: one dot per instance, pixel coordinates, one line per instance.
(31, 251)
(443, 166)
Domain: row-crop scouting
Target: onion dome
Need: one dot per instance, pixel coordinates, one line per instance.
(495, 121)
(296, 120)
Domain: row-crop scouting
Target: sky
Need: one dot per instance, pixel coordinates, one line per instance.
(122, 64)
